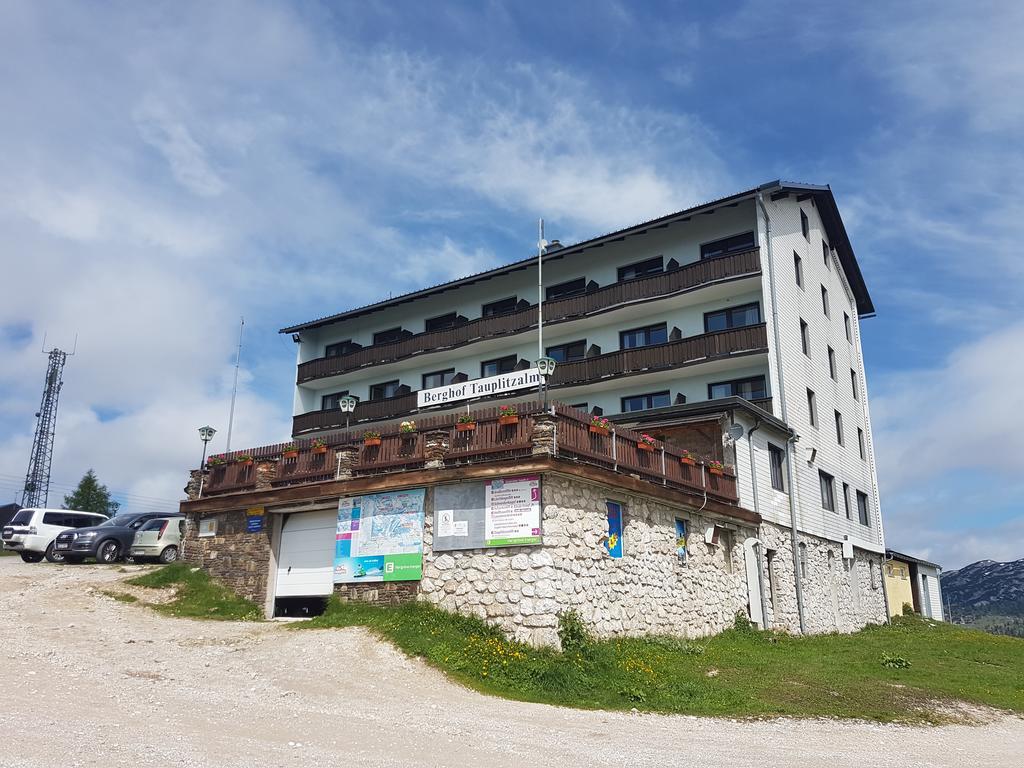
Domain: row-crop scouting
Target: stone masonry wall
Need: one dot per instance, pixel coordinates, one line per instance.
(647, 591)
(235, 557)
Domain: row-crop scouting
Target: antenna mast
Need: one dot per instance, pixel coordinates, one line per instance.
(234, 389)
(37, 479)
(541, 245)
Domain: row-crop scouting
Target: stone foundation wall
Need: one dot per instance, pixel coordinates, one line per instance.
(647, 591)
(235, 557)
(379, 593)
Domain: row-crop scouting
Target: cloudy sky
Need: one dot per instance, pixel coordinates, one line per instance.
(168, 168)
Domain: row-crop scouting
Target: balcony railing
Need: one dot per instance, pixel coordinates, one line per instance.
(685, 278)
(619, 450)
(674, 354)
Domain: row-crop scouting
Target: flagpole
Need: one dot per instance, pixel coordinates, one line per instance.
(234, 389)
(540, 289)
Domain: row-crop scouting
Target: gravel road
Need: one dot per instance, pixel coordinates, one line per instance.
(91, 681)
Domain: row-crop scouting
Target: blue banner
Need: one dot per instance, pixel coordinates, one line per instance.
(614, 542)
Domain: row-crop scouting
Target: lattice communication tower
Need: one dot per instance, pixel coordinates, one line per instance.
(37, 478)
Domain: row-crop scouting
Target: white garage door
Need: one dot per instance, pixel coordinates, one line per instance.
(306, 561)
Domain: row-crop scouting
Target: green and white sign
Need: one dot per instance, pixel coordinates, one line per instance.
(513, 511)
(380, 537)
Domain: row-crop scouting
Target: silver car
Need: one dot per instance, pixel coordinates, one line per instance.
(159, 539)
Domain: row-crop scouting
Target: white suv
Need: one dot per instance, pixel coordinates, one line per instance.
(31, 531)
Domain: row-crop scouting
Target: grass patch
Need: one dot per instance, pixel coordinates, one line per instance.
(121, 597)
(197, 596)
(904, 672)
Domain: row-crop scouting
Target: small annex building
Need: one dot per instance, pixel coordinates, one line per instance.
(914, 582)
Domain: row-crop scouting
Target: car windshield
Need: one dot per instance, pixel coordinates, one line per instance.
(154, 525)
(24, 517)
(122, 520)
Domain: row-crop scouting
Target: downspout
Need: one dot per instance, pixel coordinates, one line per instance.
(785, 415)
(753, 485)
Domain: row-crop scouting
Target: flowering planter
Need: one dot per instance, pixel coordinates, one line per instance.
(715, 471)
(598, 430)
(407, 435)
(248, 463)
(466, 426)
(290, 455)
(508, 420)
(687, 460)
(320, 449)
(371, 441)
(645, 447)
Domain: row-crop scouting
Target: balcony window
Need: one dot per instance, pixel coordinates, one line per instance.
(727, 245)
(642, 269)
(839, 428)
(498, 366)
(798, 269)
(566, 289)
(828, 490)
(643, 337)
(846, 322)
(646, 402)
(776, 461)
(500, 307)
(752, 388)
(332, 402)
(438, 378)
(441, 322)
(805, 338)
(805, 225)
(824, 300)
(391, 334)
(339, 349)
(564, 353)
(733, 317)
(384, 390)
(862, 509)
(812, 408)
(832, 363)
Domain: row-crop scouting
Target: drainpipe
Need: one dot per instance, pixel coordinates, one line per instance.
(758, 547)
(785, 415)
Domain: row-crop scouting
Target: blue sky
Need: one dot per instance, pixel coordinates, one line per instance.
(170, 167)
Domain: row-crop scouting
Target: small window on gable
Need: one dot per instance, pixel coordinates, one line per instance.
(860, 443)
(832, 363)
(805, 337)
(839, 428)
(846, 322)
(642, 268)
(824, 300)
(812, 408)
(825, 252)
(863, 513)
(853, 384)
(805, 225)
(846, 499)
(798, 269)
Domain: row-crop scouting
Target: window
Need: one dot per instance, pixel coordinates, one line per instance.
(812, 408)
(733, 317)
(391, 334)
(828, 490)
(564, 290)
(798, 269)
(500, 307)
(727, 245)
(839, 428)
(776, 459)
(832, 363)
(824, 300)
(643, 337)
(441, 322)
(642, 268)
(498, 365)
(646, 402)
(573, 350)
(384, 390)
(580, 406)
(805, 338)
(752, 388)
(681, 541)
(805, 225)
(769, 556)
(438, 378)
(332, 402)
(846, 322)
(862, 508)
(846, 499)
(339, 349)
(802, 548)
(825, 253)
(860, 443)
(853, 384)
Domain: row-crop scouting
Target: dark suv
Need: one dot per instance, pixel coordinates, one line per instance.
(108, 542)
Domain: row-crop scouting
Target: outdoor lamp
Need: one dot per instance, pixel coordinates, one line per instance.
(347, 405)
(206, 435)
(545, 367)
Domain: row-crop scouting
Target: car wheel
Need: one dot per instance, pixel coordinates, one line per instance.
(31, 557)
(169, 555)
(108, 551)
(52, 556)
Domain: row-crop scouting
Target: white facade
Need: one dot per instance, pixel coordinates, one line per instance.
(839, 385)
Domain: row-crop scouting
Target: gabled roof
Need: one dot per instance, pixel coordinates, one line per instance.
(892, 554)
(823, 198)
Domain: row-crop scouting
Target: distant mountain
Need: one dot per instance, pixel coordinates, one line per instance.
(987, 595)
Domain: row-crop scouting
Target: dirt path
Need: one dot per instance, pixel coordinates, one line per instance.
(91, 681)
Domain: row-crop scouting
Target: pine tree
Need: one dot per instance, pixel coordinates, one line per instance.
(90, 496)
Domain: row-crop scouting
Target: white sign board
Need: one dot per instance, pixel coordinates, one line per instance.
(492, 385)
(513, 511)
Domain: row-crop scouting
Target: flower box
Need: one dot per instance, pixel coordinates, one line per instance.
(371, 441)
(687, 460)
(290, 455)
(465, 426)
(508, 420)
(715, 470)
(645, 447)
(246, 462)
(319, 449)
(596, 430)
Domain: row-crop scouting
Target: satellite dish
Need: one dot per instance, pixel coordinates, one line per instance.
(735, 431)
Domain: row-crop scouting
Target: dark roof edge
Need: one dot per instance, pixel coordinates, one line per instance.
(893, 554)
(704, 408)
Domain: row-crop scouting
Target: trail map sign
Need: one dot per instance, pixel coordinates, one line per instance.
(380, 537)
(504, 512)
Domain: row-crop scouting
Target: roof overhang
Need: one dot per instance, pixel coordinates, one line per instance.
(892, 554)
(675, 414)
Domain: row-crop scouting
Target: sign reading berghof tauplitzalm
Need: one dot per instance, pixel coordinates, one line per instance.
(492, 385)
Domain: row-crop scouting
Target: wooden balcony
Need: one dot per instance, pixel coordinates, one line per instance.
(572, 439)
(675, 354)
(686, 278)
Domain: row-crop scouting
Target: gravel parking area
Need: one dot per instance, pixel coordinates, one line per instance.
(91, 681)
